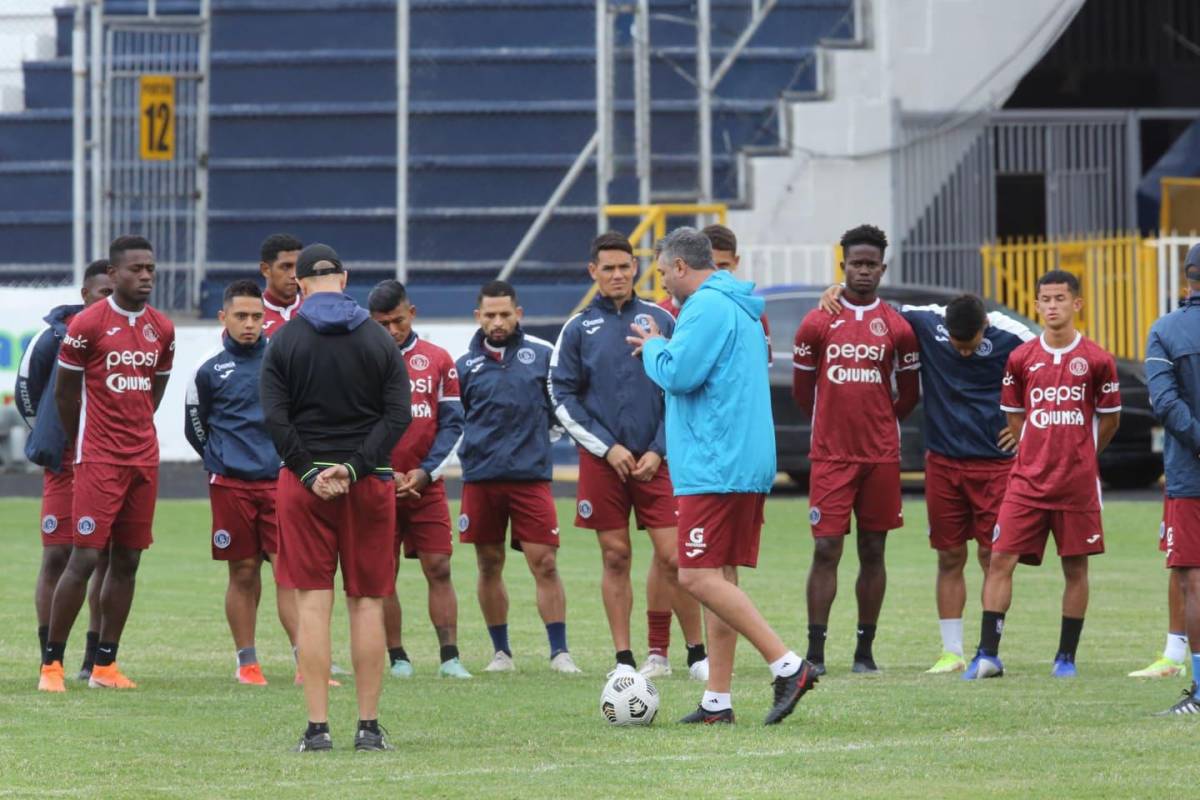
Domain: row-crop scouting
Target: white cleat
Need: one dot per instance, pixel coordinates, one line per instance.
(501, 662)
(656, 666)
(565, 664)
(699, 671)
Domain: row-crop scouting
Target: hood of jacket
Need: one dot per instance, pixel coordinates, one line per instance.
(741, 292)
(332, 313)
(58, 316)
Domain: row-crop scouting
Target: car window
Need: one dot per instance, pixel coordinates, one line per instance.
(785, 313)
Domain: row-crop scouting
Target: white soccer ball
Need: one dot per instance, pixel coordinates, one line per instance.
(629, 698)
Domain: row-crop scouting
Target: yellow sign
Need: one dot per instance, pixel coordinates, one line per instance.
(156, 95)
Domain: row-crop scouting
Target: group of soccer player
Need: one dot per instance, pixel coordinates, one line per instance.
(1014, 426)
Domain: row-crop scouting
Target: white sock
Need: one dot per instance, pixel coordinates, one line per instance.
(716, 701)
(952, 635)
(1177, 647)
(785, 665)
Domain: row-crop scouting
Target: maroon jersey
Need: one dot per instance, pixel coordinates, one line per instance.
(433, 379)
(119, 353)
(276, 314)
(1060, 392)
(854, 356)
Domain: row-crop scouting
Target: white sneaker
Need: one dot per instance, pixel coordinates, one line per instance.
(699, 671)
(501, 662)
(565, 664)
(656, 666)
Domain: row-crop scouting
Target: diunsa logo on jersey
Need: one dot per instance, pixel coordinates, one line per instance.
(878, 327)
(839, 374)
(1078, 366)
(419, 362)
(526, 355)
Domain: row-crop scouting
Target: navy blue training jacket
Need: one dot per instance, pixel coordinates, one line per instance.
(1173, 373)
(35, 391)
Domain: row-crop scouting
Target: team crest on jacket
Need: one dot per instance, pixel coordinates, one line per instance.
(464, 522)
(221, 539)
(585, 509)
(149, 333)
(1079, 366)
(526, 355)
(86, 526)
(878, 327)
(985, 347)
(419, 362)
(642, 321)
(50, 524)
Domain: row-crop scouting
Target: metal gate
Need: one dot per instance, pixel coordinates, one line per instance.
(150, 140)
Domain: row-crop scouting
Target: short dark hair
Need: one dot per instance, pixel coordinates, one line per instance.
(965, 317)
(496, 289)
(241, 288)
(865, 234)
(722, 238)
(278, 243)
(123, 243)
(1060, 276)
(610, 240)
(386, 296)
(98, 267)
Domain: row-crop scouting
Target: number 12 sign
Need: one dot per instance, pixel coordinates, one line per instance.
(157, 101)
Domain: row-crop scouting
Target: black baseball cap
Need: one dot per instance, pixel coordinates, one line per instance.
(313, 255)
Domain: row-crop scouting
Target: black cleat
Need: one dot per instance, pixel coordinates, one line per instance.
(371, 741)
(1188, 704)
(865, 666)
(314, 743)
(700, 715)
(788, 691)
(818, 667)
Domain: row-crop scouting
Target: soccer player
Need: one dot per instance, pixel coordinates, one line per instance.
(422, 454)
(1173, 374)
(721, 443)
(969, 447)
(1063, 401)
(281, 298)
(113, 369)
(505, 456)
(335, 397)
(844, 367)
(224, 424)
(614, 413)
(47, 447)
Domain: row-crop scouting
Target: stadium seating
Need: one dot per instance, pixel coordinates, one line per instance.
(303, 128)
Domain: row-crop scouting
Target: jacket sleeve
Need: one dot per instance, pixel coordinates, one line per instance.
(449, 423)
(196, 407)
(33, 375)
(1165, 396)
(681, 364)
(567, 384)
(276, 405)
(397, 412)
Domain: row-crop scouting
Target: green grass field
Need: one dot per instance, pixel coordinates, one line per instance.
(190, 731)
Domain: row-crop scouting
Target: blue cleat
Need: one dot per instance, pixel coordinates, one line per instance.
(1064, 666)
(983, 666)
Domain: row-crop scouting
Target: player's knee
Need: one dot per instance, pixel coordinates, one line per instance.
(827, 552)
(437, 570)
(490, 566)
(123, 562)
(54, 560)
(1075, 570)
(952, 561)
(617, 559)
(243, 575)
(545, 567)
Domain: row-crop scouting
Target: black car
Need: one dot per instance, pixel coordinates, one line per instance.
(1128, 462)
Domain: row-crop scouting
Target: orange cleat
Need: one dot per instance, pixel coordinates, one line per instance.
(109, 677)
(300, 680)
(51, 679)
(251, 675)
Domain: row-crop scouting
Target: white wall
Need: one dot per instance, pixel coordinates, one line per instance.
(26, 34)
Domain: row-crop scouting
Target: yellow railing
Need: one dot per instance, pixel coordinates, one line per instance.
(1118, 277)
(651, 228)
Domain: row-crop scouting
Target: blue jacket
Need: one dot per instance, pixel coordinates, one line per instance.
(962, 395)
(720, 432)
(223, 418)
(35, 391)
(601, 394)
(506, 433)
(1173, 373)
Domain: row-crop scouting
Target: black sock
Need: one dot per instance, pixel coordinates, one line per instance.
(55, 651)
(626, 657)
(315, 728)
(397, 654)
(990, 631)
(449, 651)
(89, 653)
(43, 635)
(1068, 639)
(816, 643)
(106, 654)
(696, 652)
(866, 636)
(369, 725)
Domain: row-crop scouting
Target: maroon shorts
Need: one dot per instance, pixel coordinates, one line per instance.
(114, 502)
(603, 501)
(243, 518)
(719, 530)
(871, 491)
(487, 506)
(963, 497)
(355, 530)
(58, 492)
(1023, 530)
(1182, 537)
(423, 525)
